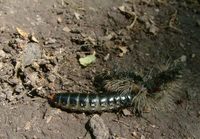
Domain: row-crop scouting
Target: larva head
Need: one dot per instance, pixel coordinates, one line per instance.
(51, 97)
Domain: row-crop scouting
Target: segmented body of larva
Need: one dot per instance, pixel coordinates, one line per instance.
(92, 102)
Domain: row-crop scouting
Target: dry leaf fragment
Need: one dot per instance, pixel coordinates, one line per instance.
(59, 20)
(77, 15)
(66, 29)
(22, 33)
(85, 61)
(33, 38)
(123, 49)
(122, 8)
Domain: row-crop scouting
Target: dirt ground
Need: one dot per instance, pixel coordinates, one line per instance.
(132, 34)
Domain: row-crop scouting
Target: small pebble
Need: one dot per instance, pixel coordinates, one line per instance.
(126, 112)
(7, 49)
(183, 58)
(51, 77)
(193, 55)
(2, 53)
(19, 88)
(59, 20)
(157, 10)
(98, 128)
(31, 52)
(66, 29)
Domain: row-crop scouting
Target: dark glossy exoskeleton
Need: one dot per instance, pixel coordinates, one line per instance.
(92, 102)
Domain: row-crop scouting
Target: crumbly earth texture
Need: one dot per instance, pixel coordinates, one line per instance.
(41, 42)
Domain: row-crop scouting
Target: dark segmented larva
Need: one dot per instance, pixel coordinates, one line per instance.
(92, 102)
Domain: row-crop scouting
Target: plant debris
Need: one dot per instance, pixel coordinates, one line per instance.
(87, 60)
(124, 50)
(23, 34)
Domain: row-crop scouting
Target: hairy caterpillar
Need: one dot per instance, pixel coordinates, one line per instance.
(120, 90)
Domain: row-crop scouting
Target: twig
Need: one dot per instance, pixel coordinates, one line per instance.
(172, 20)
(133, 23)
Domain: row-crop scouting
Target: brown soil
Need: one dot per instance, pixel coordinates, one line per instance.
(67, 30)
